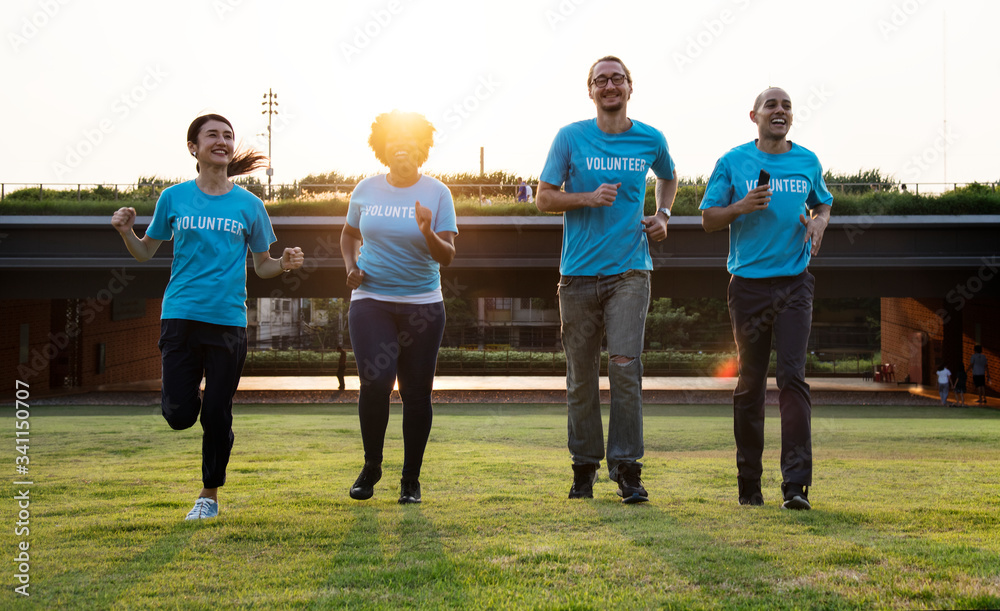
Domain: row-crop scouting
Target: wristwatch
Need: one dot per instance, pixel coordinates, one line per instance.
(665, 211)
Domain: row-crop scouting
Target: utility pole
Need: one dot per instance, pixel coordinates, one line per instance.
(270, 100)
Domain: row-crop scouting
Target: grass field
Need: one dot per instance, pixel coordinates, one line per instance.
(906, 515)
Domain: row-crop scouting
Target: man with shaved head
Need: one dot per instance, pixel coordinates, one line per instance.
(771, 195)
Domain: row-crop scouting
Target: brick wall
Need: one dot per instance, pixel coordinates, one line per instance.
(57, 347)
(130, 351)
(918, 334)
(35, 372)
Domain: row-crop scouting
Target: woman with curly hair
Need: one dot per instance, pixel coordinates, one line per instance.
(213, 223)
(400, 230)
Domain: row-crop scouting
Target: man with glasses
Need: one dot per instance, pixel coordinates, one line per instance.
(776, 220)
(595, 175)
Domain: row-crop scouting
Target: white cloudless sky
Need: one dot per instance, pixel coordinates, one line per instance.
(102, 91)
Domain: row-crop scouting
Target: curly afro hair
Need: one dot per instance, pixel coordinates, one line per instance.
(396, 123)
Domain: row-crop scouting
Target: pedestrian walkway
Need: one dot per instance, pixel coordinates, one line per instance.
(516, 383)
(545, 389)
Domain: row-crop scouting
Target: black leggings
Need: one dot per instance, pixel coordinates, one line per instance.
(396, 340)
(190, 350)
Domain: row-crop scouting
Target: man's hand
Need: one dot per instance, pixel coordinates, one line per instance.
(815, 228)
(604, 195)
(756, 199)
(123, 219)
(655, 227)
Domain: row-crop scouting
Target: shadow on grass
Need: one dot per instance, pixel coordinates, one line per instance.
(116, 586)
(868, 549)
(392, 557)
(736, 576)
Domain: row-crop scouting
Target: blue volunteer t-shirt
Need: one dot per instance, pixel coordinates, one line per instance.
(608, 240)
(768, 243)
(211, 233)
(394, 254)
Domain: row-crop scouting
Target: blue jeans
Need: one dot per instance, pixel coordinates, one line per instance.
(760, 309)
(944, 390)
(592, 307)
(396, 340)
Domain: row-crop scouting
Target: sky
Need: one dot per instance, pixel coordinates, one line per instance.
(102, 91)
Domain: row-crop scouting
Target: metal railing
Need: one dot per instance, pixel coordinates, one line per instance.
(856, 364)
(151, 190)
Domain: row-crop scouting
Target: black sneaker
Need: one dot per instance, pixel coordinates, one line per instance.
(796, 496)
(584, 477)
(364, 486)
(409, 491)
(630, 484)
(750, 493)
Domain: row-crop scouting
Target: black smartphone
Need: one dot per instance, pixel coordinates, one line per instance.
(763, 179)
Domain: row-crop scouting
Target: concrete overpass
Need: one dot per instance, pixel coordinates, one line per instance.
(58, 257)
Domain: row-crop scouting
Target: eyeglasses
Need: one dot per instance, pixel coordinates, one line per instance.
(602, 81)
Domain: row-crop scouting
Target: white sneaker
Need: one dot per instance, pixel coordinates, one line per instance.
(204, 507)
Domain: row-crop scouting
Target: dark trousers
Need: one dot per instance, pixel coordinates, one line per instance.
(191, 350)
(390, 341)
(760, 309)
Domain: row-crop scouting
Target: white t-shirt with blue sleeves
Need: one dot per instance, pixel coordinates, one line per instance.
(211, 234)
(768, 243)
(608, 240)
(394, 254)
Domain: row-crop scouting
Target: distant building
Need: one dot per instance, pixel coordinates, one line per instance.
(518, 322)
(277, 323)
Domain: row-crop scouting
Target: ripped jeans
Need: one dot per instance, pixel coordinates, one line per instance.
(592, 307)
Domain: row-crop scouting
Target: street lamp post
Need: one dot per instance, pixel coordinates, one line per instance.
(270, 101)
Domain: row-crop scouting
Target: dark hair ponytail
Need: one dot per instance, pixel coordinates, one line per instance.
(244, 161)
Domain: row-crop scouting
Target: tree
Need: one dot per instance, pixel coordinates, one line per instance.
(667, 326)
(459, 316)
(328, 322)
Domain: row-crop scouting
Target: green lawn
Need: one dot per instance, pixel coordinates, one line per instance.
(907, 515)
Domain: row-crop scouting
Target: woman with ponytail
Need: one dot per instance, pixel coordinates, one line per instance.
(213, 223)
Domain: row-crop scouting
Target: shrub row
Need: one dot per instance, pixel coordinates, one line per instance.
(971, 199)
(457, 361)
